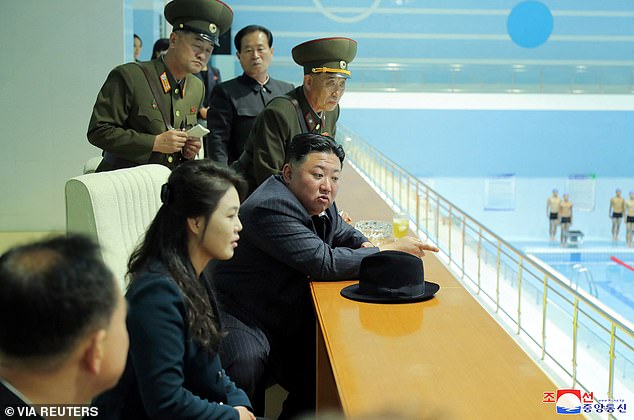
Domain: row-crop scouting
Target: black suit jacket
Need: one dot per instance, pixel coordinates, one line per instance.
(233, 107)
(210, 79)
(168, 375)
(266, 283)
(10, 401)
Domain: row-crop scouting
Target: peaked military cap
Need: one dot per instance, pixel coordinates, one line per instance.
(207, 18)
(326, 55)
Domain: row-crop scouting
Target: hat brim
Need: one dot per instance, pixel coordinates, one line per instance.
(352, 292)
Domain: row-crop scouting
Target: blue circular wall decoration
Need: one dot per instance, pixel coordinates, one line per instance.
(530, 24)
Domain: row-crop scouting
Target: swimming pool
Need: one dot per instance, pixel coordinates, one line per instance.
(602, 272)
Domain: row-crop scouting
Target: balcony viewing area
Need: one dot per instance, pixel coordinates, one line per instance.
(559, 333)
(465, 116)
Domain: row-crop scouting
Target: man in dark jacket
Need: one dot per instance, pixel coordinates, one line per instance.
(292, 234)
(235, 104)
(63, 338)
(310, 108)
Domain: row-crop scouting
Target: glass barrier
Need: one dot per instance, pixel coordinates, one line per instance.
(581, 343)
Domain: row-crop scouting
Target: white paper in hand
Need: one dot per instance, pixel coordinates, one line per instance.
(197, 131)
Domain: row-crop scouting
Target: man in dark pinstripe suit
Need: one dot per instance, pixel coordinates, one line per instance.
(292, 234)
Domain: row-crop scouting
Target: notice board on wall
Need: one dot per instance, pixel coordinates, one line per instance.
(581, 188)
(499, 193)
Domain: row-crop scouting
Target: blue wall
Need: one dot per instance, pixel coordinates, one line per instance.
(434, 35)
(464, 143)
(592, 42)
(436, 44)
(456, 151)
(146, 26)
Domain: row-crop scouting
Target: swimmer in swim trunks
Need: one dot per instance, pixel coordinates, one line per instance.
(565, 214)
(617, 205)
(552, 212)
(629, 220)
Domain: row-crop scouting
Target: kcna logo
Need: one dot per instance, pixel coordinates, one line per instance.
(574, 401)
(568, 401)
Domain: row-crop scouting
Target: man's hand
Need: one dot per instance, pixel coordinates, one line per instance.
(203, 112)
(171, 141)
(244, 413)
(192, 147)
(411, 245)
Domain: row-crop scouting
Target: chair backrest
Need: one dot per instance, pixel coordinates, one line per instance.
(115, 208)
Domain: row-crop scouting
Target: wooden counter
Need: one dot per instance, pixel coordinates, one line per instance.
(446, 358)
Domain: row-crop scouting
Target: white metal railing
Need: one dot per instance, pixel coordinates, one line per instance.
(575, 337)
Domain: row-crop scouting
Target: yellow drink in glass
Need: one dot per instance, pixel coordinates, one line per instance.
(400, 225)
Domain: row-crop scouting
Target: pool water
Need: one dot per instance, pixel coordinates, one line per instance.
(600, 271)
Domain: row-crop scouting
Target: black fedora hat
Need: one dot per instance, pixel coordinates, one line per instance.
(391, 277)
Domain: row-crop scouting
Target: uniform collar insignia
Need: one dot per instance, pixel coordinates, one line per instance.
(165, 82)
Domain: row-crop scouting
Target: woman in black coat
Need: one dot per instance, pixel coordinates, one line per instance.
(173, 369)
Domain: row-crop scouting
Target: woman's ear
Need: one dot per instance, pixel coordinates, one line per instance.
(194, 224)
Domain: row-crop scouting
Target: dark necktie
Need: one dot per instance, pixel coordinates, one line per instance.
(180, 88)
(321, 226)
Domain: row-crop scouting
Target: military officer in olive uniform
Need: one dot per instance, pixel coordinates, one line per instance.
(235, 103)
(127, 121)
(311, 108)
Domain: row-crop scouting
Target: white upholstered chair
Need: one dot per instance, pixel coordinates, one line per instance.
(115, 208)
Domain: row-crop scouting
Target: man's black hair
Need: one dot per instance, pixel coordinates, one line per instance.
(305, 143)
(237, 40)
(52, 292)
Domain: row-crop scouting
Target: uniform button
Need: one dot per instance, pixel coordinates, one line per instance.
(176, 91)
(170, 158)
(178, 113)
(317, 127)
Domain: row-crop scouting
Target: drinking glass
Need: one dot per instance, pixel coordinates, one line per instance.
(400, 224)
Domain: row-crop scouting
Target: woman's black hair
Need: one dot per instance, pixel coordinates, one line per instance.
(193, 189)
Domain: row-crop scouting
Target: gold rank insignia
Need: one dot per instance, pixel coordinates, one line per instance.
(165, 82)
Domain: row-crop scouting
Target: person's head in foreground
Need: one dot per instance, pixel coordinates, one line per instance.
(63, 338)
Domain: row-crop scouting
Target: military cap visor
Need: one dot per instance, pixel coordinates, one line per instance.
(326, 55)
(207, 18)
